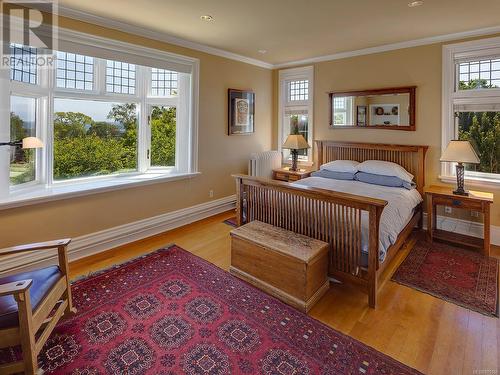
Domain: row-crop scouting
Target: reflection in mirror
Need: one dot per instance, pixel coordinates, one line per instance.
(382, 108)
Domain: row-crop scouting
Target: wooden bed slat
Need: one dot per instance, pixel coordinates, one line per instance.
(331, 216)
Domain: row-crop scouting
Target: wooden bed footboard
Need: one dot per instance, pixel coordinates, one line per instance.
(335, 217)
(329, 216)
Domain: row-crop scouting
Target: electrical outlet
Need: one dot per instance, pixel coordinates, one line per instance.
(474, 214)
(211, 193)
(448, 210)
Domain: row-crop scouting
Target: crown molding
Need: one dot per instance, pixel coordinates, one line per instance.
(167, 38)
(393, 46)
(155, 35)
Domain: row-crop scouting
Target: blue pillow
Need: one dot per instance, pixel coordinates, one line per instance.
(333, 175)
(377, 179)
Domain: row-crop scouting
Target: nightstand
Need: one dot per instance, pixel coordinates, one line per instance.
(475, 201)
(285, 174)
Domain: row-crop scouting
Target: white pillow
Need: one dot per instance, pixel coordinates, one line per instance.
(385, 168)
(349, 166)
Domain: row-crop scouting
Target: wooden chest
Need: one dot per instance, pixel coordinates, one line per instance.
(284, 264)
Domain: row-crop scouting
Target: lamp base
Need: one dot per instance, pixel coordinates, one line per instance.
(295, 156)
(460, 180)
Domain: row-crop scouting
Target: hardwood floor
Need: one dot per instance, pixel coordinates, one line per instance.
(424, 332)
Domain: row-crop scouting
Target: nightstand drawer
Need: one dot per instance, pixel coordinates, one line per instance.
(294, 177)
(457, 203)
(281, 176)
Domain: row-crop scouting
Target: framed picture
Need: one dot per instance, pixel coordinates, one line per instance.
(241, 110)
(361, 115)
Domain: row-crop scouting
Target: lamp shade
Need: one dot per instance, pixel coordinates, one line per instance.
(32, 142)
(460, 152)
(296, 142)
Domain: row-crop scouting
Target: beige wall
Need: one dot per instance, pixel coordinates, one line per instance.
(219, 156)
(419, 66)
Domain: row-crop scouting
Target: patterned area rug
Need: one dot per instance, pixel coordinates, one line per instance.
(457, 275)
(231, 221)
(171, 312)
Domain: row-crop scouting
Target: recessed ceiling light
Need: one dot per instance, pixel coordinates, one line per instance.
(262, 51)
(413, 4)
(207, 17)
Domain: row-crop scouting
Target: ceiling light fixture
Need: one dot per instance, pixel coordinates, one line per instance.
(207, 17)
(413, 4)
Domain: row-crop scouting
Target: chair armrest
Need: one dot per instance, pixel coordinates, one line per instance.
(35, 246)
(15, 287)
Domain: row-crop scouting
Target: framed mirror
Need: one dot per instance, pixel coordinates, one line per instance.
(390, 108)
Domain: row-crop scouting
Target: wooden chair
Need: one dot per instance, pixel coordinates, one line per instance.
(31, 304)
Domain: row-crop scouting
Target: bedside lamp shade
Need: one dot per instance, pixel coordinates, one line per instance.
(32, 142)
(295, 142)
(461, 152)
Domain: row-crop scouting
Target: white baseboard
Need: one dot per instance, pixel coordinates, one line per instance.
(97, 242)
(466, 227)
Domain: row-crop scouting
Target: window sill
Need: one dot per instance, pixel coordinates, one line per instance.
(473, 181)
(41, 194)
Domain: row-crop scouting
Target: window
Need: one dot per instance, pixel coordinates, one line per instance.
(102, 121)
(471, 104)
(23, 64)
(93, 138)
(295, 108)
(343, 111)
(120, 77)
(163, 82)
(22, 124)
(298, 90)
(163, 128)
(75, 71)
(479, 74)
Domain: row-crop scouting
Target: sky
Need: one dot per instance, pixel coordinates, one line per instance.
(25, 107)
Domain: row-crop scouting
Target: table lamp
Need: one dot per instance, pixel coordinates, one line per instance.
(28, 142)
(460, 152)
(295, 142)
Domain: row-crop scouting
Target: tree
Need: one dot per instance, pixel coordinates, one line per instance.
(126, 116)
(474, 84)
(163, 129)
(104, 129)
(71, 124)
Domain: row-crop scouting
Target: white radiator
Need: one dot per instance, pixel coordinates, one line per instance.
(261, 164)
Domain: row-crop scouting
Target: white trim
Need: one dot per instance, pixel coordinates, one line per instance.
(167, 38)
(466, 227)
(484, 183)
(36, 195)
(393, 46)
(302, 73)
(155, 35)
(451, 96)
(97, 242)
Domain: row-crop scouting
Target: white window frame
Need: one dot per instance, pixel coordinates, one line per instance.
(451, 96)
(44, 188)
(285, 76)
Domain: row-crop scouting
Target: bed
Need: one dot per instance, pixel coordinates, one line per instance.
(364, 224)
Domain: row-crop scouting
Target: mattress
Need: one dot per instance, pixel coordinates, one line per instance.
(401, 204)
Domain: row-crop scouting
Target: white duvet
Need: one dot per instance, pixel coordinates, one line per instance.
(398, 212)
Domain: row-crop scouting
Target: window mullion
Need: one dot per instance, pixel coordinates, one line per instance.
(143, 131)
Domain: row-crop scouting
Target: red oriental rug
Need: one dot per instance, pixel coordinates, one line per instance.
(457, 275)
(171, 312)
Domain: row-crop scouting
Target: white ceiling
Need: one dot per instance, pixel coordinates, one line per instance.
(293, 30)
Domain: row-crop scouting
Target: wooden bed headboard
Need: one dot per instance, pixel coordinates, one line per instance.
(411, 158)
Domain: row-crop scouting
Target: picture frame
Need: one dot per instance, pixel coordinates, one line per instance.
(361, 115)
(241, 112)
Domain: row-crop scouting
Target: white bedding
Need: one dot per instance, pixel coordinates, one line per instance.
(398, 212)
